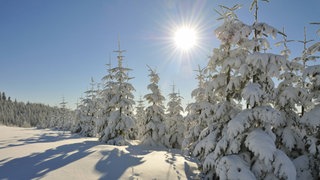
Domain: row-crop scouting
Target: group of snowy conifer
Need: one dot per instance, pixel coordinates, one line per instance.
(108, 112)
(256, 114)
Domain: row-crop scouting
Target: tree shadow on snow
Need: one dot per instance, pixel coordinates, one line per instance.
(39, 164)
(114, 163)
(44, 137)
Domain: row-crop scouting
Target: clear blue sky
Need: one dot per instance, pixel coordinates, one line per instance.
(50, 49)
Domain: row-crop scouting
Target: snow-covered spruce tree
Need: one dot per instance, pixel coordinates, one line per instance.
(288, 97)
(221, 92)
(140, 117)
(306, 56)
(294, 91)
(242, 145)
(77, 113)
(174, 122)
(54, 118)
(120, 120)
(105, 97)
(195, 119)
(88, 112)
(155, 117)
(63, 117)
(62, 114)
(311, 118)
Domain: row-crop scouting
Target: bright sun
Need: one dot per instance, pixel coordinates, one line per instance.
(185, 38)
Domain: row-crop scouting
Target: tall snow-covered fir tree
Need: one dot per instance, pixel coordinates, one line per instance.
(88, 111)
(120, 119)
(299, 137)
(155, 116)
(223, 84)
(311, 118)
(105, 97)
(195, 121)
(77, 116)
(61, 119)
(175, 127)
(240, 143)
(140, 117)
(304, 96)
(291, 98)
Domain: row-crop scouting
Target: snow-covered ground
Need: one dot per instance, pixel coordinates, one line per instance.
(29, 153)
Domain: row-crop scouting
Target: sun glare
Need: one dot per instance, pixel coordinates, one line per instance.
(185, 38)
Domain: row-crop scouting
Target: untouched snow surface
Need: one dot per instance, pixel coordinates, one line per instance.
(29, 153)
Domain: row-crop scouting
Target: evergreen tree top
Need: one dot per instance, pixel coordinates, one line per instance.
(120, 56)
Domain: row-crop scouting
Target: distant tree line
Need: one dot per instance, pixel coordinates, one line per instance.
(14, 113)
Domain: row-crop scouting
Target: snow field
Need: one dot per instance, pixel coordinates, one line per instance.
(29, 153)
